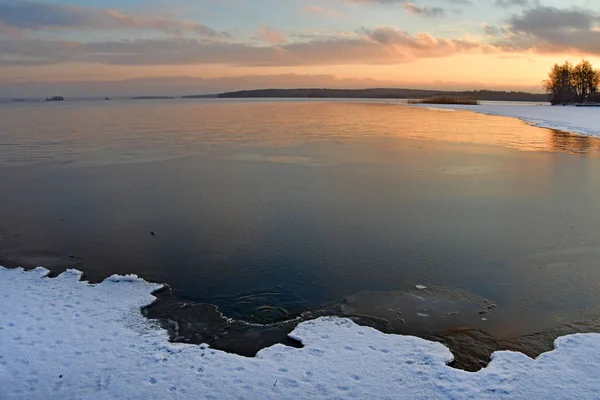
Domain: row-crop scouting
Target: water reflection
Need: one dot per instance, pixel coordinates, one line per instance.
(575, 144)
(122, 131)
(470, 127)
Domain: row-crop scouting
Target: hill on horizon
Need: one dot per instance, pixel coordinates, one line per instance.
(379, 93)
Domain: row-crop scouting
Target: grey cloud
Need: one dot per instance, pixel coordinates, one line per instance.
(412, 8)
(402, 2)
(553, 30)
(423, 10)
(511, 3)
(541, 19)
(392, 1)
(29, 15)
(492, 30)
(375, 1)
(416, 8)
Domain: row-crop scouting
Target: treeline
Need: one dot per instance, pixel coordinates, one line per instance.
(568, 83)
(383, 93)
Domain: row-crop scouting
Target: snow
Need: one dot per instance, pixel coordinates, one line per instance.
(62, 338)
(581, 120)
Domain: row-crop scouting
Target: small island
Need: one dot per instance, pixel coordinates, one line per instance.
(55, 98)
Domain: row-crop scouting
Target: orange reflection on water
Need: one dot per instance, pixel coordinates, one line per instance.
(126, 129)
(339, 120)
(470, 127)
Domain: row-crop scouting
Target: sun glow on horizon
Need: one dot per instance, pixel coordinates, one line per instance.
(346, 44)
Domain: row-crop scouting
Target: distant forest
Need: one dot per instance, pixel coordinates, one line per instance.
(381, 94)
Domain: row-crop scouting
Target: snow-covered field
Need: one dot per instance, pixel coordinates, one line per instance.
(581, 120)
(66, 339)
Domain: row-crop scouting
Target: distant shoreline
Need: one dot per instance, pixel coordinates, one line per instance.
(377, 93)
(324, 93)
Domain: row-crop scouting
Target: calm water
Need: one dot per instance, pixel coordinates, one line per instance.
(269, 209)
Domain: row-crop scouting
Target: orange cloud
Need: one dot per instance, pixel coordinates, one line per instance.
(319, 10)
(383, 45)
(268, 35)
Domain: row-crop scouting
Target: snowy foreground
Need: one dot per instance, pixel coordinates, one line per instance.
(581, 120)
(66, 339)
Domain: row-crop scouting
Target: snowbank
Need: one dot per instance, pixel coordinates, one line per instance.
(65, 339)
(581, 120)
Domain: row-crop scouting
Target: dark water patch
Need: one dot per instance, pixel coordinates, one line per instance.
(473, 348)
(457, 319)
(454, 319)
(420, 312)
(203, 324)
(262, 306)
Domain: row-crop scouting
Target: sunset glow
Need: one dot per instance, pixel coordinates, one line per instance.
(240, 44)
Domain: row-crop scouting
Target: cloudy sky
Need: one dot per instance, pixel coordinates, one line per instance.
(183, 46)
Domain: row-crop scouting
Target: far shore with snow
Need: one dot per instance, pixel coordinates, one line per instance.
(579, 120)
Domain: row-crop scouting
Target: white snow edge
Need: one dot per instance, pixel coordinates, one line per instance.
(578, 120)
(67, 339)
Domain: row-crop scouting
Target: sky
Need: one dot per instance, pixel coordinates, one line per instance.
(201, 46)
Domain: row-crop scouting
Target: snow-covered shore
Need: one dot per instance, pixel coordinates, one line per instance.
(66, 339)
(580, 120)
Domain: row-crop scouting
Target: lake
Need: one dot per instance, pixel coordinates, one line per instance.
(270, 209)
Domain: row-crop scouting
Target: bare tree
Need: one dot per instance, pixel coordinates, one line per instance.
(560, 84)
(567, 83)
(585, 80)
